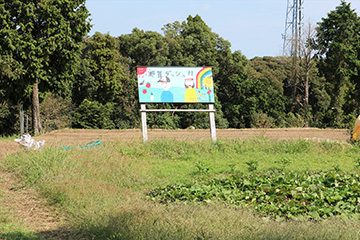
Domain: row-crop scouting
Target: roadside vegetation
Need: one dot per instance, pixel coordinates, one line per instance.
(10, 227)
(105, 190)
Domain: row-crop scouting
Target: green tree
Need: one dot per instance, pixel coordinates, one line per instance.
(271, 94)
(195, 43)
(104, 77)
(276, 69)
(7, 118)
(43, 37)
(10, 71)
(319, 100)
(144, 48)
(192, 43)
(102, 70)
(258, 96)
(147, 48)
(231, 75)
(337, 45)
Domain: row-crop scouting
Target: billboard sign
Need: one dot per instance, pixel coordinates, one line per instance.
(175, 85)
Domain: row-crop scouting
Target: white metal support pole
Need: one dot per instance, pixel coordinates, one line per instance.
(143, 122)
(22, 120)
(212, 123)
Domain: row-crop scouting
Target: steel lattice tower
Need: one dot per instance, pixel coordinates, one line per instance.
(293, 26)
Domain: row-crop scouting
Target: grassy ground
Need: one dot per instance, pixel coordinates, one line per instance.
(8, 137)
(103, 189)
(11, 228)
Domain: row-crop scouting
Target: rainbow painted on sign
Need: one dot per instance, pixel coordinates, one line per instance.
(175, 85)
(204, 78)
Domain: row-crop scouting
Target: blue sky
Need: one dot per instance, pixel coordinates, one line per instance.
(252, 26)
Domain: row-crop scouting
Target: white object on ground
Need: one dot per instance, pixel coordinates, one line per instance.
(29, 143)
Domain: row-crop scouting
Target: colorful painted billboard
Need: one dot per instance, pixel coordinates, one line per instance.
(175, 85)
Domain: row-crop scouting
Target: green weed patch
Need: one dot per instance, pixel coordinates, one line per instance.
(290, 195)
(102, 189)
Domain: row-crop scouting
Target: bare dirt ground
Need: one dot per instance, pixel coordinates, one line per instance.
(30, 209)
(26, 205)
(72, 136)
(36, 214)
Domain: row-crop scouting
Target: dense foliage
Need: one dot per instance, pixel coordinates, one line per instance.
(338, 45)
(292, 195)
(39, 44)
(101, 76)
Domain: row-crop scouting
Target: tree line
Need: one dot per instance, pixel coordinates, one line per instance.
(51, 70)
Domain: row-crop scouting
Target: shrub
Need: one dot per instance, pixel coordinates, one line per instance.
(55, 112)
(279, 194)
(294, 120)
(262, 120)
(8, 119)
(165, 120)
(92, 114)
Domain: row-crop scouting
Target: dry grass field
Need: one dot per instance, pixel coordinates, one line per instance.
(73, 136)
(121, 173)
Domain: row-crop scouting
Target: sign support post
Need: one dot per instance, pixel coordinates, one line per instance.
(212, 123)
(143, 123)
(211, 112)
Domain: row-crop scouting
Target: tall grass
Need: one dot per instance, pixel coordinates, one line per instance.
(10, 227)
(8, 137)
(103, 189)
